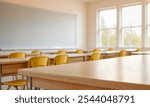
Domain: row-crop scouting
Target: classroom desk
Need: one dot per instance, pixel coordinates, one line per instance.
(125, 73)
(129, 51)
(10, 66)
(86, 56)
(83, 56)
(115, 53)
(5, 55)
(105, 54)
(141, 53)
(109, 54)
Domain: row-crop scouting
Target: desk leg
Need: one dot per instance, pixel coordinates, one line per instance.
(85, 58)
(0, 76)
(105, 56)
(30, 83)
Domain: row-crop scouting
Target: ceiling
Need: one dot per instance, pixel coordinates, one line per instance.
(90, 0)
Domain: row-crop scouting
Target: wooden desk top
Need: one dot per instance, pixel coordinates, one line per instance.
(70, 55)
(131, 50)
(131, 72)
(13, 60)
(141, 53)
(109, 52)
(6, 53)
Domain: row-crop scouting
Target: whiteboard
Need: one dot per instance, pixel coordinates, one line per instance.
(33, 28)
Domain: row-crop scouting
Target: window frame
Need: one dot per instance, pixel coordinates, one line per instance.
(98, 30)
(147, 25)
(121, 43)
(119, 40)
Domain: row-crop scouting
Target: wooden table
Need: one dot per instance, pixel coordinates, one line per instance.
(131, 72)
(83, 56)
(129, 51)
(5, 54)
(110, 54)
(9, 66)
(141, 53)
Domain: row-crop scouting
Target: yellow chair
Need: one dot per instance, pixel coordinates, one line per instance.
(96, 50)
(79, 51)
(110, 49)
(37, 52)
(61, 59)
(122, 53)
(18, 55)
(61, 52)
(16, 83)
(19, 82)
(95, 56)
(39, 61)
(138, 50)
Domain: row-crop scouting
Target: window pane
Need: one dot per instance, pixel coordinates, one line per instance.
(108, 38)
(132, 37)
(149, 35)
(108, 19)
(149, 13)
(131, 16)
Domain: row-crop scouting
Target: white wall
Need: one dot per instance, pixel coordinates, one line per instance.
(92, 8)
(66, 6)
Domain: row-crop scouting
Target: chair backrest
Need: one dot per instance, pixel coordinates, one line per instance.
(96, 50)
(79, 51)
(110, 49)
(38, 52)
(95, 56)
(122, 53)
(61, 52)
(61, 59)
(17, 55)
(39, 61)
(138, 50)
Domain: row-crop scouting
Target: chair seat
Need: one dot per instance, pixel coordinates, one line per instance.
(16, 83)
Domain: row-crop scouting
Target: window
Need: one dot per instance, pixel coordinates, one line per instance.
(123, 27)
(131, 26)
(107, 28)
(148, 25)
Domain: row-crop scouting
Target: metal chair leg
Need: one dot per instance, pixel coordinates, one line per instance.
(8, 87)
(16, 88)
(23, 87)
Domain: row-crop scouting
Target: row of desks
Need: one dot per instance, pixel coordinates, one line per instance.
(141, 53)
(10, 66)
(131, 72)
(4, 54)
